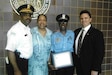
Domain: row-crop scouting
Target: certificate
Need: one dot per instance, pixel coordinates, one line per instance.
(63, 59)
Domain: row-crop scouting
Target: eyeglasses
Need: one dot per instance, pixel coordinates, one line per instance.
(63, 22)
(26, 14)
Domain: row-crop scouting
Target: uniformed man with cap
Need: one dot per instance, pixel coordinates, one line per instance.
(62, 41)
(19, 42)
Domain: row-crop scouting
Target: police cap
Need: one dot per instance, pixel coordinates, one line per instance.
(26, 8)
(62, 17)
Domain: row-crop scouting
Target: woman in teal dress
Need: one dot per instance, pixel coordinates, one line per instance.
(41, 48)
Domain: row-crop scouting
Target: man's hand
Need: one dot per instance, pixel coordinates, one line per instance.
(17, 72)
(52, 67)
(94, 72)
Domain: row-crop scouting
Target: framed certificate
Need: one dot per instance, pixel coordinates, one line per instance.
(63, 59)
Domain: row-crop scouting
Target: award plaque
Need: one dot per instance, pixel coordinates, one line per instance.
(63, 59)
(40, 6)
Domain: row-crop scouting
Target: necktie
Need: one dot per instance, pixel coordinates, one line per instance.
(79, 43)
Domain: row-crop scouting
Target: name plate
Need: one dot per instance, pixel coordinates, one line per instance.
(63, 59)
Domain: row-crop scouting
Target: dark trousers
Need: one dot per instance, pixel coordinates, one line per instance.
(65, 71)
(9, 69)
(22, 64)
(79, 69)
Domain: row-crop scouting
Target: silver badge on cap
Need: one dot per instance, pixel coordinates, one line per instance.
(63, 16)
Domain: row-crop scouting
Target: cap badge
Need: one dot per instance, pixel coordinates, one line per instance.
(63, 16)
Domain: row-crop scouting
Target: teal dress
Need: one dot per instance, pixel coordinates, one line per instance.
(37, 64)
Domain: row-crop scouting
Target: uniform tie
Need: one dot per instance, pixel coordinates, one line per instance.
(79, 43)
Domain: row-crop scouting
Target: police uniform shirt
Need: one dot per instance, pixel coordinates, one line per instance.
(19, 38)
(61, 43)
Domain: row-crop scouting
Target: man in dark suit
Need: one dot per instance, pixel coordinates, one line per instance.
(89, 55)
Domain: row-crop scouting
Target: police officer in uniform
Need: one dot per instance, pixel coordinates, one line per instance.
(62, 41)
(19, 42)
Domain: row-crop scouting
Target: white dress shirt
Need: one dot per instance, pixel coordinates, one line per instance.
(83, 35)
(19, 38)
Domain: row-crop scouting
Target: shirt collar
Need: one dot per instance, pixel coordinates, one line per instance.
(47, 30)
(62, 34)
(86, 28)
(22, 25)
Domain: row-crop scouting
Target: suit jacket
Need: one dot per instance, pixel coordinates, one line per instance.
(92, 51)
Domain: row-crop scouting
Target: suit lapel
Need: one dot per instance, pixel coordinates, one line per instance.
(86, 37)
(77, 32)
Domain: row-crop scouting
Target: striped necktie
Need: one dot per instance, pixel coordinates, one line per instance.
(79, 43)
